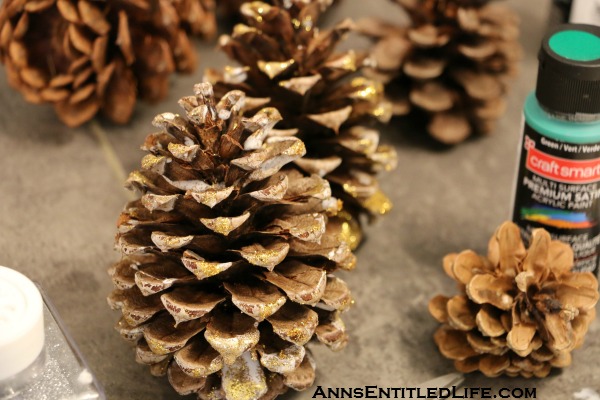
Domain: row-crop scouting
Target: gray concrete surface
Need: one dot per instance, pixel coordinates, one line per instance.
(59, 200)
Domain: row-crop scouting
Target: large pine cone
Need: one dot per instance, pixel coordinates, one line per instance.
(451, 65)
(86, 56)
(227, 257)
(291, 65)
(522, 312)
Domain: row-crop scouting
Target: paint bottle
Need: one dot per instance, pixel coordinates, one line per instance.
(558, 178)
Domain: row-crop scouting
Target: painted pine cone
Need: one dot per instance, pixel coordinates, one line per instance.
(85, 57)
(451, 65)
(521, 312)
(227, 257)
(291, 65)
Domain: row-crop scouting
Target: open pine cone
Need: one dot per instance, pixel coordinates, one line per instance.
(521, 312)
(287, 63)
(451, 64)
(228, 255)
(86, 56)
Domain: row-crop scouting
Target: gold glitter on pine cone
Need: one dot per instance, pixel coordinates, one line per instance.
(85, 57)
(452, 64)
(228, 255)
(521, 311)
(231, 8)
(288, 63)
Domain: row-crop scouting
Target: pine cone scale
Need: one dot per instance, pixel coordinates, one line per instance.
(199, 359)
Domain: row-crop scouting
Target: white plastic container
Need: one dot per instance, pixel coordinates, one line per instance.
(38, 359)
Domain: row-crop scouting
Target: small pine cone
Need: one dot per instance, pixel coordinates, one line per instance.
(287, 63)
(86, 56)
(521, 312)
(451, 65)
(227, 257)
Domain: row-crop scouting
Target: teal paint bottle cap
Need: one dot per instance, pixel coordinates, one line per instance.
(569, 71)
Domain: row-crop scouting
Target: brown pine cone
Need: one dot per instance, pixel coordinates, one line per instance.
(231, 8)
(289, 64)
(451, 64)
(228, 255)
(521, 312)
(86, 56)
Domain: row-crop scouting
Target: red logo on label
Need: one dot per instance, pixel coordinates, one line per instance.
(561, 169)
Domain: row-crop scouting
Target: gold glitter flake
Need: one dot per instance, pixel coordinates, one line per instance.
(225, 225)
(259, 300)
(244, 380)
(212, 196)
(268, 309)
(183, 152)
(167, 242)
(241, 29)
(298, 335)
(235, 75)
(383, 112)
(310, 228)
(197, 361)
(267, 257)
(139, 178)
(347, 62)
(154, 163)
(275, 68)
(156, 202)
(296, 149)
(213, 367)
(201, 267)
(308, 23)
(368, 90)
(350, 233)
(349, 263)
(260, 311)
(351, 189)
(158, 346)
(386, 157)
(256, 10)
(294, 323)
(232, 346)
(214, 393)
(285, 361)
(378, 203)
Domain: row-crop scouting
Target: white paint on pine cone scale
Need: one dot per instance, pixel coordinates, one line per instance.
(21, 322)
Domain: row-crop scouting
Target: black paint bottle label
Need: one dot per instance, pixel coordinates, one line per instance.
(558, 189)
